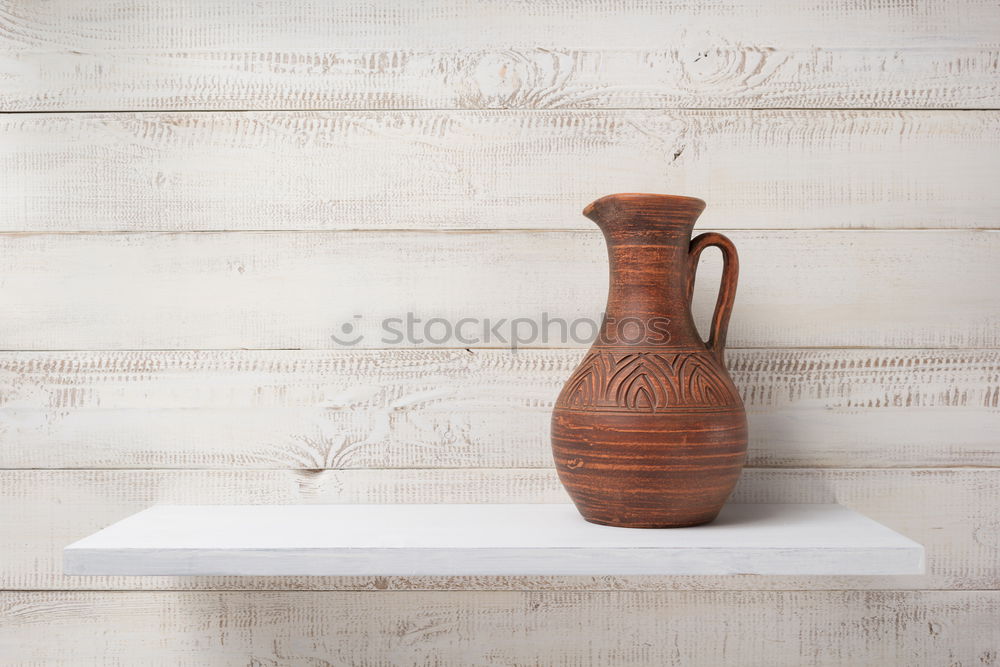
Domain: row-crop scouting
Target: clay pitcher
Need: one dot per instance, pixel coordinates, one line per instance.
(649, 431)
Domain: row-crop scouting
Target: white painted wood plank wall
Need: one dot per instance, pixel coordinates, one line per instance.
(433, 170)
(458, 409)
(700, 628)
(188, 188)
(294, 290)
(387, 54)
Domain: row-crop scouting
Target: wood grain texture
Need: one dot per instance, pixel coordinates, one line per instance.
(455, 409)
(458, 53)
(512, 628)
(297, 290)
(280, 417)
(490, 170)
(951, 512)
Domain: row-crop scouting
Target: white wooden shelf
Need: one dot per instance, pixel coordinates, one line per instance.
(449, 540)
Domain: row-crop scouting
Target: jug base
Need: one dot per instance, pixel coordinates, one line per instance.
(651, 523)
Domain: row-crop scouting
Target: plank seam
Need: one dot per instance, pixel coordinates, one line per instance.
(312, 471)
(388, 110)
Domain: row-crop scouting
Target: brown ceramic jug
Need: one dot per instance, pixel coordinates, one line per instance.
(649, 431)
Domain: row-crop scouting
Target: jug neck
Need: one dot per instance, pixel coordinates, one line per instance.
(648, 238)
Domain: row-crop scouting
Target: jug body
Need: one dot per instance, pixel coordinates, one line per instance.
(649, 430)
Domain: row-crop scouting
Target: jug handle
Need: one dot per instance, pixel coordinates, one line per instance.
(727, 291)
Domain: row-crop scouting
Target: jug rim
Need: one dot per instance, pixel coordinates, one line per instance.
(647, 197)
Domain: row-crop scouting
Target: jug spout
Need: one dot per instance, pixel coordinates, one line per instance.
(644, 216)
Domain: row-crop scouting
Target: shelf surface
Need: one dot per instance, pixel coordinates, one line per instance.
(449, 540)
